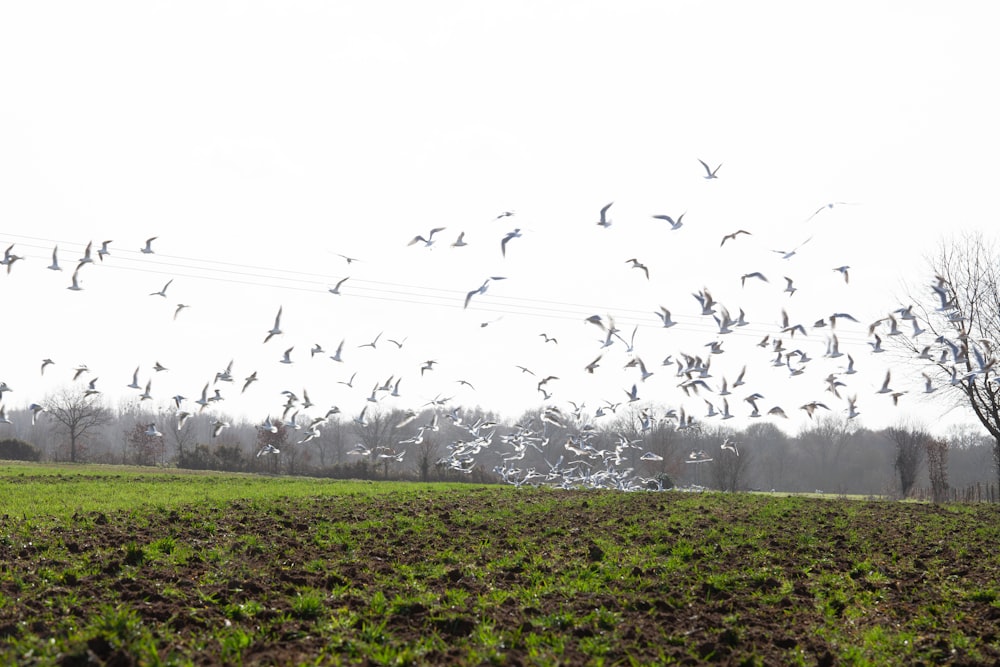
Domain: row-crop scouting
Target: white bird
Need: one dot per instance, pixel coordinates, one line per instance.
(276, 329)
(605, 221)
(674, 224)
(36, 409)
(286, 358)
(665, 317)
(9, 258)
(180, 307)
(481, 289)
(148, 248)
(852, 410)
(46, 362)
(429, 241)
(217, 427)
(336, 288)
(336, 355)
(135, 380)
(510, 235)
(75, 286)
(203, 401)
(103, 250)
(850, 366)
(636, 264)
(460, 241)
(733, 236)
(145, 395)
(55, 260)
(268, 449)
(843, 270)
(788, 254)
(709, 172)
(885, 384)
(756, 274)
(162, 292)
(152, 431)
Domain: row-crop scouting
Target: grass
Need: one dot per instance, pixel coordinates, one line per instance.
(300, 571)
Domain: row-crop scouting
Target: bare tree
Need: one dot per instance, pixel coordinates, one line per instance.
(825, 440)
(730, 464)
(146, 448)
(910, 444)
(937, 468)
(961, 308)
(76, 414)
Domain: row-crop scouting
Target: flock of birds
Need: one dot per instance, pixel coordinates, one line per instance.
(565, 434)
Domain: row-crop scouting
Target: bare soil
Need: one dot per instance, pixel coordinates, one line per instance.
(637, 578)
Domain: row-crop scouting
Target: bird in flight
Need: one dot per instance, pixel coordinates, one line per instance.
(788, 254)
(148, 248)
(55, 260)
(510, 235)
(336, 288)
(605, 221)
(429, 241)
(732, 237)
(276, 329)
(162, 292)
(636, 264)
(481, 289)
(75, 285)
(674, 224)
(709, 172)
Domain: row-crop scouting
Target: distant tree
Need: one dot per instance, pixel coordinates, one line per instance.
(426, 456)
(729, 465)
(145, 449)
(910, 444)
(375, 433)
(937, 468)
(268, 441)
(772, 455)
(76, 414)
(825, 440)
(13, 449)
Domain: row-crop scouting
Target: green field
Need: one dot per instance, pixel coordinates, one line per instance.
(110, 565)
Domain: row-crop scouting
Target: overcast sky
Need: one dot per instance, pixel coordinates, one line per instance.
(261, 143)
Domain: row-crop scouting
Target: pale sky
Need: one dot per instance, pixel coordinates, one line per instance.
(261, 142)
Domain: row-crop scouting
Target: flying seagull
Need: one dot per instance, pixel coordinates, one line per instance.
(55, 261)
(276, 329)
(732, 237)
(148, 249)
(336, 288)
(429, 241)
(709, 172)
(604, 221)
(674, 224)
(510, 235)
(162, 292)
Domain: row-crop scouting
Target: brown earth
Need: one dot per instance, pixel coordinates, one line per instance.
(508, 576)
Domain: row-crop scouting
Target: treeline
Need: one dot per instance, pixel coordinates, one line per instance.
(831, 455)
